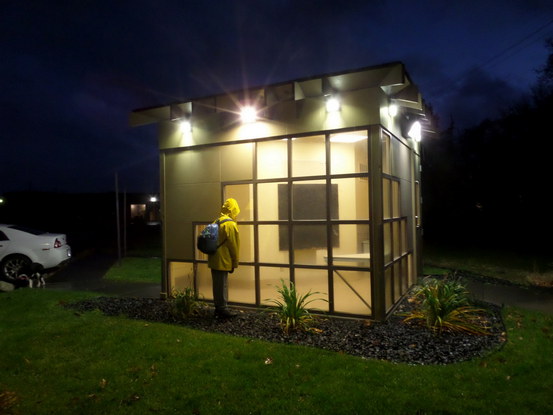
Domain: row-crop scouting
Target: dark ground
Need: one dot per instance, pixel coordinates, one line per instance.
(392, 340)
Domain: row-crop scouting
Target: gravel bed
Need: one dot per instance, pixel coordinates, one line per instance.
(393, 340)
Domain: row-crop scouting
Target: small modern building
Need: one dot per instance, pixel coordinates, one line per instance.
(326, 171)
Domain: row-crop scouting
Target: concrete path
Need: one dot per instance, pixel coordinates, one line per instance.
(530, 298)
(86, 274)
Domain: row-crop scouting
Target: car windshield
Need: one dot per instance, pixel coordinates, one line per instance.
(27, 230)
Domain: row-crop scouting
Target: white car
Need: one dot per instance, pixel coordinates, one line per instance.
(20, 247)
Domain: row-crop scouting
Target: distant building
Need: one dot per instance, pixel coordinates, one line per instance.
(326, 171)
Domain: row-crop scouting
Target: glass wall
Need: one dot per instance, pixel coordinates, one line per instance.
(305, 218)
(309, 221)
(397, 214)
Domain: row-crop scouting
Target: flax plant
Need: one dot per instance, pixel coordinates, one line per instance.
(292, 308)
(443, 305)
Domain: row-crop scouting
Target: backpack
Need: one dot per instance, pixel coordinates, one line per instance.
(207, 239)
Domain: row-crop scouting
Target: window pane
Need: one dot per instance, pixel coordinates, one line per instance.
(181, 275)
(243, 193)
(352, 292)
(268, 200)
(241, 285)
(316, 281)
(231, 170)
(272, 159)
(270, 242)
(386, 159)
(309, 156)
(270, 280)
(349, 152)
(397, 281)
(395, 199)
(354, 248)
(308, 200)
(246, 243)
(386, 202)
(352, 195)
(310, 244)
(396, 239)
(388, 288)
(204, 283)
(387, 242)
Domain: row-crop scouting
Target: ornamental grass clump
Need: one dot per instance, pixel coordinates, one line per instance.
(443, 306)
(184, 303)
(292, 308)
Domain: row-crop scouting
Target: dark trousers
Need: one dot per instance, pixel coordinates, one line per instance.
(220, 289)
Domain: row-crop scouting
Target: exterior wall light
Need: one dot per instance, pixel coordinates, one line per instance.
(185, 125)
(415, 131)
(392, 110)
(248, 114)
(332, 104)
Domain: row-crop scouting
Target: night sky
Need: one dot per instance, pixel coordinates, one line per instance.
(72, 71)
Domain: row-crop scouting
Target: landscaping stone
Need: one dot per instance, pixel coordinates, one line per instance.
(392, 340)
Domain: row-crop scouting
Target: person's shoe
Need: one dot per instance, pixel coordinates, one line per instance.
(225, 314)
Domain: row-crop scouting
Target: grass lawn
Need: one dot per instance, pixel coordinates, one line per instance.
(516, 268)
(56, 361)
(136, 269)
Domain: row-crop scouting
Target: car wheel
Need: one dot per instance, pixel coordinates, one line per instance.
(13, 264)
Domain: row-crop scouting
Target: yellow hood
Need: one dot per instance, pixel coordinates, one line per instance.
(230, 208)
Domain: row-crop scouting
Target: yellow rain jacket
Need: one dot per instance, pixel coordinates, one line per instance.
(227, 256)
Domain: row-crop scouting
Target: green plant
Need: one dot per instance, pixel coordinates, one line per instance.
(443, 305)
(292, 308)
(184, 303)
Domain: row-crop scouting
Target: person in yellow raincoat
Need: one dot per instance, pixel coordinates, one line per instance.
(225, 259)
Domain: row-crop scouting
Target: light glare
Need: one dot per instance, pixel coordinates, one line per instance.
(248, 114)
(415, 132)
(332, 104)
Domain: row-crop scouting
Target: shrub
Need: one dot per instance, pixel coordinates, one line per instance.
(292, 308)
(184, 303)
(443, 305)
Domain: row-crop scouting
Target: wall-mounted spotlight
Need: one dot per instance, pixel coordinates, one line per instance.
(415, 131)
(185, 125)
(332, 103)
(411, 126)
(248, 114)
(392, 110)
